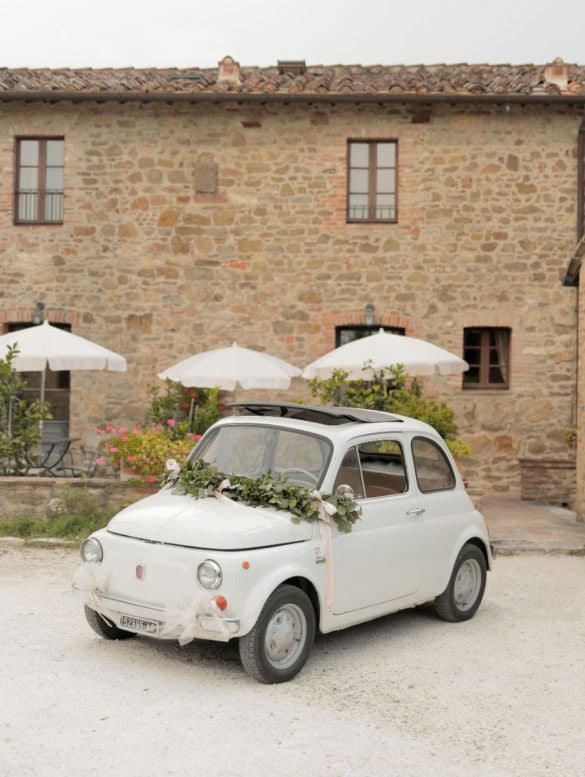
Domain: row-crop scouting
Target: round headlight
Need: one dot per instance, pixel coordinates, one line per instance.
(209, 574)
(91, 550)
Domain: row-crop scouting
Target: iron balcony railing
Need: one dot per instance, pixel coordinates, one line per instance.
(39, 206)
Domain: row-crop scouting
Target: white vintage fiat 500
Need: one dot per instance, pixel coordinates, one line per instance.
(286, 519)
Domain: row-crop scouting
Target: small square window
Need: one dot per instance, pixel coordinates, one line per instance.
(487, 351)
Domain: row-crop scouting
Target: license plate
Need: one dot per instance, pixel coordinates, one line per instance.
(138, 624)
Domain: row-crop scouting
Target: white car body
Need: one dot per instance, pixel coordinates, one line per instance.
(401, 553)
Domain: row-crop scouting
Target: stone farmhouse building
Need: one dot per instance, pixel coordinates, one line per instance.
(165, 212)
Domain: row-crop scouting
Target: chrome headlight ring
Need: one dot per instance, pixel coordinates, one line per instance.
(209, 574)
(91, 550)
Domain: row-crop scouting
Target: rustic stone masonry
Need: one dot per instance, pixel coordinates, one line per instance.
(191, 226)
(549, 481)
(35, 497)
(580, 422)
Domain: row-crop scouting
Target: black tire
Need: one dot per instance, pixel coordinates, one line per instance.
(278, 646)
(104, 627)
(462, 597)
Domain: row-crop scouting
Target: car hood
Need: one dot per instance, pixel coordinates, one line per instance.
(210, 523)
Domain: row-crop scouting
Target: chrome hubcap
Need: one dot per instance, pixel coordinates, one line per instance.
(285, 636)
(467, 584)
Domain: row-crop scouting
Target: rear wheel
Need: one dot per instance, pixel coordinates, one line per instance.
(104, 626)
(462, 597)
(279, 644)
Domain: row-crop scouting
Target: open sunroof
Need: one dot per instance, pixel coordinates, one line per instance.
(328, 416)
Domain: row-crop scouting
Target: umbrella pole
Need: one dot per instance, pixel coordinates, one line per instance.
(42, 396)
(191, 414)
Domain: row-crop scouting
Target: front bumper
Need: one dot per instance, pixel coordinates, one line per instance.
(200, 619)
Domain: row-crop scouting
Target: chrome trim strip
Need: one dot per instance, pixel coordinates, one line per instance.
(210, 623)
(132, 603)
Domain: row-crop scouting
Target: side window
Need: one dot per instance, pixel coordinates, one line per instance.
(433, 471)
(382, 465)
(349, 474)
(39, 185)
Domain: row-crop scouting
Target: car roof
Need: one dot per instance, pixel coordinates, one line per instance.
(345, 418)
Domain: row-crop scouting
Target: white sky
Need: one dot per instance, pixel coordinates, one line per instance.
(198, 33)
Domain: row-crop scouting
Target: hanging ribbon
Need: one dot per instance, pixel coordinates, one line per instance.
(186, 619)
(89, 581)
(327, 510)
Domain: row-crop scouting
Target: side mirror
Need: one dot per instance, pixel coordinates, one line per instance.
(344, 491)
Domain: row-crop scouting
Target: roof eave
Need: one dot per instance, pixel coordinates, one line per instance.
(284, 97)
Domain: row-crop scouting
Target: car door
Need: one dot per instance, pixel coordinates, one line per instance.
(447, 508)
(382, 558)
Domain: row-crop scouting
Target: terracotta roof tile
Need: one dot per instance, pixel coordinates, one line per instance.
(348, 80)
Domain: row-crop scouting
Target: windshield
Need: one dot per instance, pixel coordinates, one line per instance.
(251, 451)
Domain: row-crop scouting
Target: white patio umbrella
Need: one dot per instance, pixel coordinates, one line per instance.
(228, 367)
(45, 346)
(385, 349)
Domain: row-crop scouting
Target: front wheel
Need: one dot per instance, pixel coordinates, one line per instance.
(104, 626)
(462, 597)
(279, 644)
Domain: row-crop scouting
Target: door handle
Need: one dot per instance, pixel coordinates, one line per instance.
(416, 511)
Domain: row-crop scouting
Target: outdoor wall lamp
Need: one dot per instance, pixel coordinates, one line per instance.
(369, 315)
(38, 314)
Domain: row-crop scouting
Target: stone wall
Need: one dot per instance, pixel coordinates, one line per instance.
(549, 481)
(579, 424)
(188, 227)
(36, 497)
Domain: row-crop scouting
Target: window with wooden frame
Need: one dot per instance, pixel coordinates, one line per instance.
(39, 185)
(487, 351)
(371, 180)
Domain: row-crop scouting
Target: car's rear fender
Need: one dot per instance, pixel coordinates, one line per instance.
(467, 538)
(485, 549)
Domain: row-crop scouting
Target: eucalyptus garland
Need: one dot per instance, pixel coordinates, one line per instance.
(200, 479)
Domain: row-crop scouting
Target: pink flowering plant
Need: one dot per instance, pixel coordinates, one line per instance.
(144, 451)
(173, 423)
(182, 410)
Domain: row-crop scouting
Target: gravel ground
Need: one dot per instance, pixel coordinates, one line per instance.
(407, 695)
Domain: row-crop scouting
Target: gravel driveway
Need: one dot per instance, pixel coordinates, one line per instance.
(407, 695)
